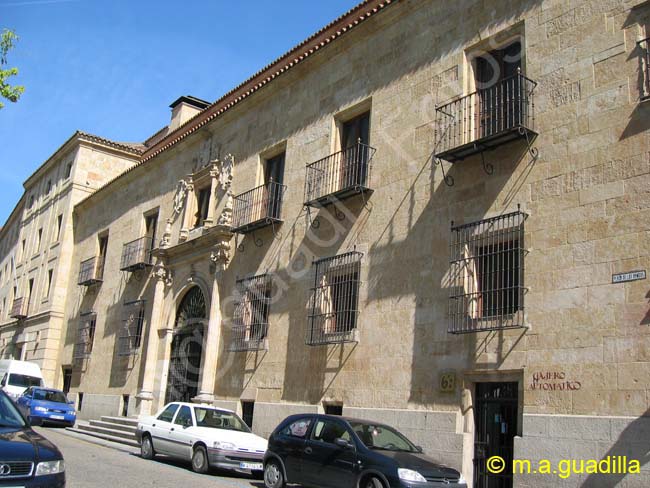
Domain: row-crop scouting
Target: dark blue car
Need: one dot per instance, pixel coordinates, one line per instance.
(27, 459)
(47, 404)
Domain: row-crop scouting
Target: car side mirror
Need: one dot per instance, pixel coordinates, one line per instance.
(35, 421)
(418, 448)
(342, 443)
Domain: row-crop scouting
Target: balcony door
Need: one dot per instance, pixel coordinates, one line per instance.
(498, 100)
(273, 181)
(150, 224)
(355, 137)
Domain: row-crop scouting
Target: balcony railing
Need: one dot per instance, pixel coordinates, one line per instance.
(258, 207)
(136, 254)
(19, 308)
(644, 45)
(339, 175)
(485, 119)
(91, 271)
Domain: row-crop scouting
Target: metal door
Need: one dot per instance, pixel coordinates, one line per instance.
(187, 348)
(495, 427)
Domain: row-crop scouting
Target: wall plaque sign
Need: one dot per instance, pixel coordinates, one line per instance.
(447, 381)
(631, 276)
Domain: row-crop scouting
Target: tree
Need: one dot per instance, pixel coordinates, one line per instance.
(11, 93)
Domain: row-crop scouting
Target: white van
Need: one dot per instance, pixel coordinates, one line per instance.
(17, 376)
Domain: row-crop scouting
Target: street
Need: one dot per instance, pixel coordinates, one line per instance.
(89, 465)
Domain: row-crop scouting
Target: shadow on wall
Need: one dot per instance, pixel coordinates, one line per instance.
(633, 442)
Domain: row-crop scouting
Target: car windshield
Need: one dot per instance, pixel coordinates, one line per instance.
(23, 380)
(9, 415)
(219, 419)
(50, 396)
(382, 437)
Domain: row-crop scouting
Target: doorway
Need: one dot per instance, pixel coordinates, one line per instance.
(187, 348)
(496, 413)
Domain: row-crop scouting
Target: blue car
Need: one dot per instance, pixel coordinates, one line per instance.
(47, 404)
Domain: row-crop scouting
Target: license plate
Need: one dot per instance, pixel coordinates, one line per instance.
(251, 466)
(57, 417)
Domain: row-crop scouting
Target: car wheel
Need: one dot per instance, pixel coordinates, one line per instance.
(373, 482)
(200, 460)
(146, 448)
(273, 476)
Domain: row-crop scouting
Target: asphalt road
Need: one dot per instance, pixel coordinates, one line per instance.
(89, 465)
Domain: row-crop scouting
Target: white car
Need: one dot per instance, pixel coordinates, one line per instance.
(205, 435)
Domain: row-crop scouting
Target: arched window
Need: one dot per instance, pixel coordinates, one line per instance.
(192, 309)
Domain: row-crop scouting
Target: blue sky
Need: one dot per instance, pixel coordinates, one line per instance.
(112, 67)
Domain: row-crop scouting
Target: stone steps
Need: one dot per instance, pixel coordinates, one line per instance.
(115, 429)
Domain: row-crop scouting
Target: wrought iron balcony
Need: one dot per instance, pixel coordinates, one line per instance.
(91, 271)
(19, 308)
(136, 254)
(258, 207)
(339, 175)
(644, 45)
(485, 119)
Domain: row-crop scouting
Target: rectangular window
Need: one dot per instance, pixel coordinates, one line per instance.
(333, 409)
(273, 186)
(251, 316)
(487, 259)
(131, 330)
(101, 258)
(23, 246)
(150, 227)
(68, 170)
(85, 336)
(203, 206)
(46, 293)
(247, 409)
(334, 306)
(59, 222)
(30, 290)
(39, 238)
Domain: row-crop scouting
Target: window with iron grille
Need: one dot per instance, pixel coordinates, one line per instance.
(251, 317)
(131, 329)
(85, 335)
(487, 274)
(334, 306)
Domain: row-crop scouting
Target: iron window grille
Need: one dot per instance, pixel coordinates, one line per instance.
(251, 317)
(136, 254)
(487, 118)
(85, 336)
(334, 304)
(258, 207)
(644, 46)
(339, 175)
(91, 271)
(487, 274)
(131, 331)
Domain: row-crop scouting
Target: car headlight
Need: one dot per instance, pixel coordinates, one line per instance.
(50, 467)
(410, 475)
(40, 409)
(226, 446)
(462, 480)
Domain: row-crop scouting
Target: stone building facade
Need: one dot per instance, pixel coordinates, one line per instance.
(36, 246)
(431, 214)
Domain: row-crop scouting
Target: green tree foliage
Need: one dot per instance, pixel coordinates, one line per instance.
(11, 93)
